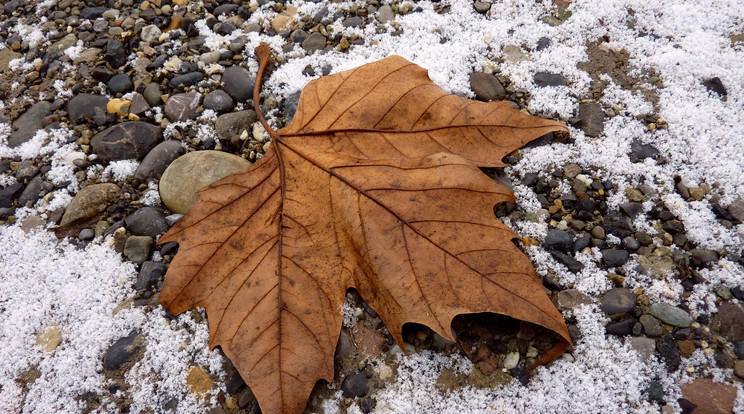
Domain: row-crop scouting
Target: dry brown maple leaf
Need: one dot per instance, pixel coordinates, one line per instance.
(373, 185)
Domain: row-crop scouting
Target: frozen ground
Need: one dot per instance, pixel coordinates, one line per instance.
(80, 295)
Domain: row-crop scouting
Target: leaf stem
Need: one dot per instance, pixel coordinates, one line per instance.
(263, 54)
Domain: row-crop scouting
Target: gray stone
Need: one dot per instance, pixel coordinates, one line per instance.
(621, 328)
(182, 105)
(315, 41)
(139, 105)
(189, 173)
(355, 385)
(616, 301)
(219, 101)
(632, 209)
(736, 209)
(116, 53)
(187, 79)
(543, 79)
(615, 257)
(739, 349)
(158, 159)
(90, 201)
(671, 315)
(701, 257)
(137, 248)
(86, 234)
(486, 87)
(482, 7)
(62, 44)
(25, 127)
(125, 141)
(31, 192)
(238, 82)
(385, 14)
(592, 119)
(630, 243)
(153, 94)
(643, 151)
(120, 83)
(235, 123)
(353, 21)
(151, 33)
(731, 318)
(570, 299)
(651, 326)
(290, 106)
(567, 260)
(558, 240)
(149, 275)
(646, 347)
(121, 351)
(147, 221)
(9, 193)
(85, 105)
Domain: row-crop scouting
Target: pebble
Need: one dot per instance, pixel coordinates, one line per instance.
(643, 151)
(316, 41)
(153, 94)
(149, 275)
(138, 105)
(25, 127)
(571, 170)
(120, 352)
(570, 299)
(192, 171)
(486, 87)
(147, 221)
(671, 315)
(385, 14)
(181, 106)
(120, 83)
(572, 264)
(187, 79)
(739, 369)
(731, 319)
(651, 326)
(30, 194)
(646, 347)
(703, 258)
(353, 21)
(543, 79)
(85, 105)
(355, 385)
(87, 234)
(126, 140)
(736, 209)
(158, 159)
(89, 201)
(151, 34)
(234, 123)
(238, 83)
(482, 7)
(592, 119)
(116, 54)
(137, 248)
(559, 240)
(709, 396)
(290, 106)
(219, 101)
(9, 193)
(630, 243)
(669, 352)
(617, 301)
(715, 85)
(621, 328)
(614, 257)
(739, 349)
(512, 360)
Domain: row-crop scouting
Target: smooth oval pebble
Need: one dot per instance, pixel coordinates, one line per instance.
(671, 315)
(192, 171)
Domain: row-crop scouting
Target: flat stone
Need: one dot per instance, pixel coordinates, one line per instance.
(543, 79)
(62, 44)
(715, 85)
(570, 299)
(85, 105)
(617, 301)
(26, 126)
(731, 319)
(147, 221)
(615, 257)
(151, 34)
(315, 41)
(632, 209)
(710, 397)
(158, 159)
(669, 352)
(567, 260)
(355, 385)
(192, 171)
(198, 380)
(6, 55)
(137, 248)
(646, 347)
(621, 328)
(187, 79)
(88, 55)
(182, 105)
(701, 257)
(31, 193)
(486, 87)
(219, 101)
(90, 201)
(139, 105)
(234, 123)
(643, 151)
(125, 141)
(368, 342)
(558, 240)
(238, 83)
(736, 209)
(651, 326)
(671, 315)
(592, 119)
(290, 106)
(121, 351)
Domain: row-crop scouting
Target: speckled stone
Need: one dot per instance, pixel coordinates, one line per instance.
(671, 315)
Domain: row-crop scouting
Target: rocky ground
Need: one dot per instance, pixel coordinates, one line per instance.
(114, 112)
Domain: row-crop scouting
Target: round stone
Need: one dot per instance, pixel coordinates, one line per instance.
(192, 171)
(618, 301)
(238, 82)
(120, 83)
(218, 101)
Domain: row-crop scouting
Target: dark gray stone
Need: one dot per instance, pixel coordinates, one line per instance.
(120, 352)
(116, 53)
(739, 349)
(614, 257)
(182, 105)
(592, 119)
(127, 140)
(92, 12)
(235, 123)
(315, 41)
(147, 221)
(572, 264)
(139, 104)
(238, 82)
(655, 392)
(153, 94)
(137, 248)
(630, 243)
(219, 101)
(702, 258)
(149, 275)
(486, 87)
(669, 353)
(632, 209)
(86, 234)
(353, 21)
(736, 209)
(621, 328)
(31, 192)
(559, 240)
(84, 105)
(158, 159)
(9, 193)
(235, 383)
(651, 326)
(120, 83)
(224, 9)
(355, 385)
(617, 224)
(290, 106)
(187, 79)
(643, 151)
(715, 85)
(543, 79)
(616, 301)
(25, 127)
